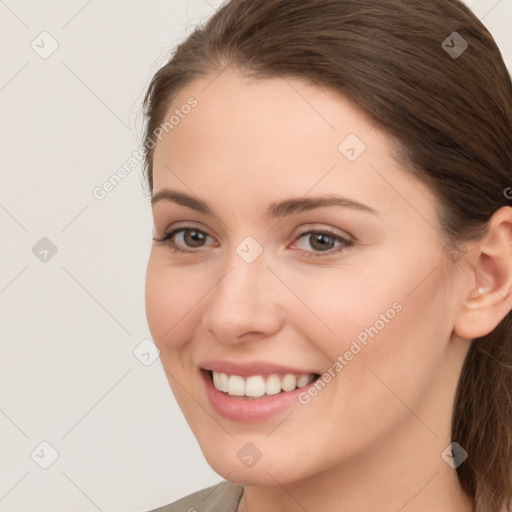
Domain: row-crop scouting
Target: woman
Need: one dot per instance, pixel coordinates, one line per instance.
(331, 274)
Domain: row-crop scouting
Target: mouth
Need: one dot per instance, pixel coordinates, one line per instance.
(254, 391)
(255, 387)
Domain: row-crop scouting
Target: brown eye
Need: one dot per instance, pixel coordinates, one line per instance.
(321, 241)
(184, 239)
(194, 238)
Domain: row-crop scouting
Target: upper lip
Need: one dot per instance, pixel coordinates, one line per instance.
(246, 369)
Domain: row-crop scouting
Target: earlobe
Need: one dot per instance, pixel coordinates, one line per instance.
(490, 295)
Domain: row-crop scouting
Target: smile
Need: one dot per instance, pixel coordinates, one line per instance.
(256, 386)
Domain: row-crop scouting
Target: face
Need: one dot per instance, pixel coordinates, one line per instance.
(296, 248)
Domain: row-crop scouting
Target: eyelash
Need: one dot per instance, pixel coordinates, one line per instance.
(166, 239)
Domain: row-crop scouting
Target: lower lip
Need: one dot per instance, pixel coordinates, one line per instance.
(249, 410)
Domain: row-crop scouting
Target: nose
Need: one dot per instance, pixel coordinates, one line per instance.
(243, 305)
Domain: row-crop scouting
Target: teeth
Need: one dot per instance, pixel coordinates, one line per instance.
(256, 386)
(273, 385)
(236, 385)
(223, 382)
(302, 381)
(289, 382)
(216, 380)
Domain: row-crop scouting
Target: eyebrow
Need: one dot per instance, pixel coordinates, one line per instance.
(275, 210)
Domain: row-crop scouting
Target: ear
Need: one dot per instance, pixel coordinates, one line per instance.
(488, 297)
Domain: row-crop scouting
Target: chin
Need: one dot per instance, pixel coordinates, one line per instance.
(265, 471)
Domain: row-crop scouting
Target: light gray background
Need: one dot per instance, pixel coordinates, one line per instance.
(69, 325)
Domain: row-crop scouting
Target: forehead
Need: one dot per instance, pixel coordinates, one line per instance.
(270, 137)
(287, 108)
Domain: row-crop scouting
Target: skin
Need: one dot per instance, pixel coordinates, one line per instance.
(372, 438)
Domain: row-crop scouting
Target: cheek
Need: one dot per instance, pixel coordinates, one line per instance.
(171, 296)
(338, 305)
(400, 357)
(389, 321)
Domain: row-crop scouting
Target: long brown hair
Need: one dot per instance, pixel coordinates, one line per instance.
(445, 98)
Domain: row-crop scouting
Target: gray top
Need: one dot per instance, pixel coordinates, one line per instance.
(223, 497)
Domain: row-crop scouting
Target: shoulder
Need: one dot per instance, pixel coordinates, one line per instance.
(223, 497)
